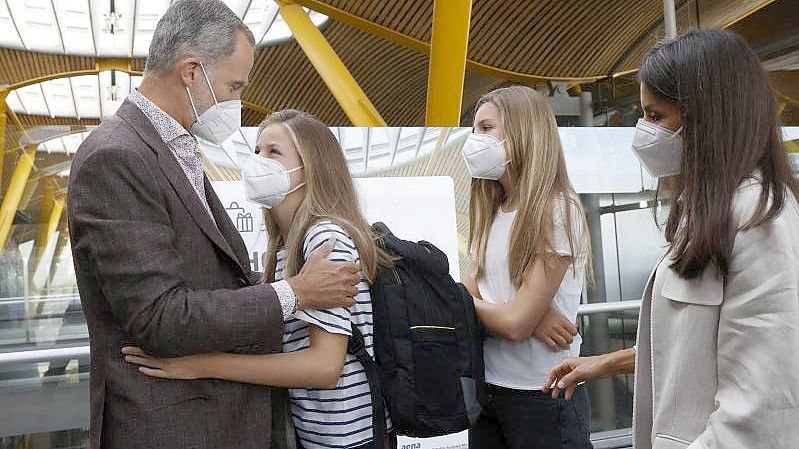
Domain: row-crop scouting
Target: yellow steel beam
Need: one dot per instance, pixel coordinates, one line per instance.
(210, 167)
(18, 124)
(338, 79)
(56, 211)
(52, 76)
(63, 240)
(322, 7)
(256, 107)
(28, 191)
(119, 64)
(101, 65)
(449, 42)
(755, 9)
(14, 192)
(2, 139)
(443, 136)
(47, 205)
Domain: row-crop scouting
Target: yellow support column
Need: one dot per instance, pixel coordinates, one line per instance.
(338, 79)
(14, 192)
(43, 234)
(3, 95)
(47, 229)
(63, 240)
(449, 43)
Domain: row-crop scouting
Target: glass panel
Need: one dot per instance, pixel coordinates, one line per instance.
(611, 399)
(89, 28)
(32, 100)
(36, 24)
(639, 244)
(40, 310)
(631, 244)
(599, 160)
(59, 98)
(75, 23)
(148, 14)
(86, 90)
(9, 37)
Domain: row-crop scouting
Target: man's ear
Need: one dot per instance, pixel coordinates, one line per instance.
(189, 71)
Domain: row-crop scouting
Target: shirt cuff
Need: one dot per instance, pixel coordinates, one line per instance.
(286, 296)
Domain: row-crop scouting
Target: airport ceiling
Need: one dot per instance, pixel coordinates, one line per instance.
(385, 45)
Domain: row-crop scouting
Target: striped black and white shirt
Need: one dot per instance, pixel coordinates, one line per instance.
(339, 417)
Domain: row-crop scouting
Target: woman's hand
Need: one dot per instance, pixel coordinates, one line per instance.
(555, 330)
(570, 372)
(183, 368)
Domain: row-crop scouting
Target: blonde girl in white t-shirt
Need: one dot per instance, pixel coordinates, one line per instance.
(531, 249)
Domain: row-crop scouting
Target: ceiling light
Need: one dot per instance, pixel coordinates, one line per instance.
(112, 20)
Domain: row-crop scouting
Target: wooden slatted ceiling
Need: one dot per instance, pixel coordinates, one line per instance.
(393, 77)
(19, 65)
(712, 13)
(549, 38)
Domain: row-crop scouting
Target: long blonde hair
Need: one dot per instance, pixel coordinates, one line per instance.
(537, 163)
(329, 195)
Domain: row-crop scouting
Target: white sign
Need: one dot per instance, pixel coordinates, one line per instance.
(413, 208)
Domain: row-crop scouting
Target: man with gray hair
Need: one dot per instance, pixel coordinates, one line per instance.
(158, 262)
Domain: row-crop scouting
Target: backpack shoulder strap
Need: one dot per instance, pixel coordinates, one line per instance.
(357, 347)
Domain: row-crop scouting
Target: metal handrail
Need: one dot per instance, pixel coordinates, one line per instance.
(44, 355)
(606, 307)
(82, 352)
(38, 299)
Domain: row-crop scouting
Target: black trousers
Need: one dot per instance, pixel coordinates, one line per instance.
(516, 419)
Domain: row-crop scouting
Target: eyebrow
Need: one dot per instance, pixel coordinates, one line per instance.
(269, 145)
(238, 84)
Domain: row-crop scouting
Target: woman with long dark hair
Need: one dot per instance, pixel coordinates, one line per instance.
(717, 358)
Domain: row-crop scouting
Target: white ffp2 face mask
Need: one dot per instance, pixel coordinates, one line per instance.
(267, 181)
(658, 149)
(485, 156)
(220, 121)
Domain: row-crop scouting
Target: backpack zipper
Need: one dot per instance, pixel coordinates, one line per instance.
(443, 328)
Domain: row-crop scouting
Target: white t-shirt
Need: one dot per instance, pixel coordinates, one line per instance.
(524, 365)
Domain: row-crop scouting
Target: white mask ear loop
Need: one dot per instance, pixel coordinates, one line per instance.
(191, 100)
(298, 185)
(208, 80)
(193, 107)
(295, 188)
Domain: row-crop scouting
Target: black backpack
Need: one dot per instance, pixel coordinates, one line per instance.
(428, 365)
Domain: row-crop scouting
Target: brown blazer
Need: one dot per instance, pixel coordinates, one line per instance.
(155, 271)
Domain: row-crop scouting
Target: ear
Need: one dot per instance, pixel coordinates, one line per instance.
(189, 71)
